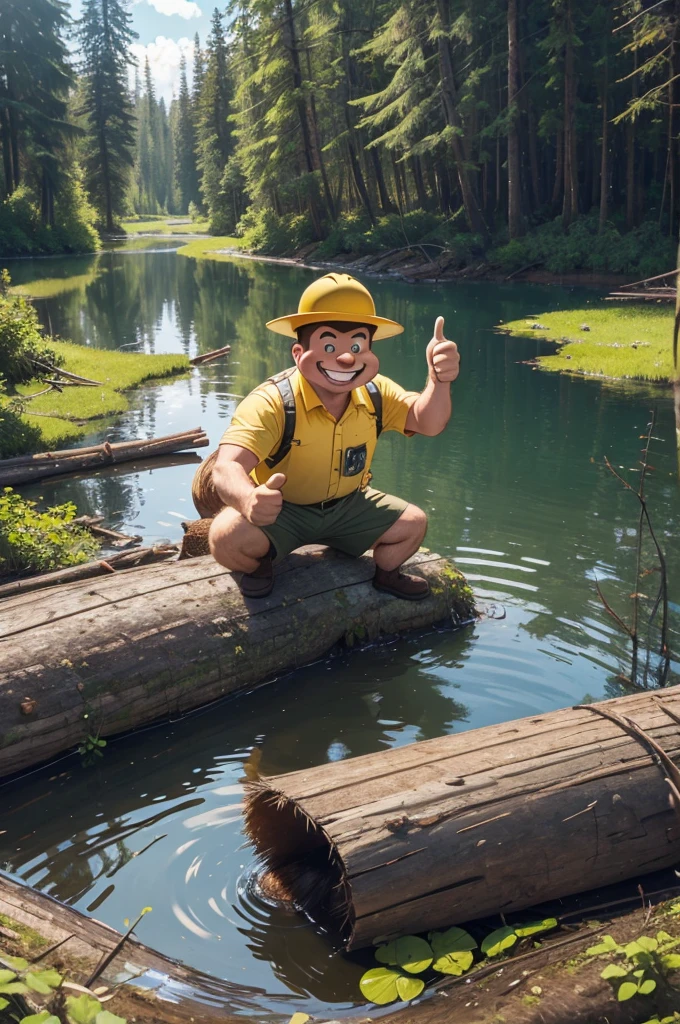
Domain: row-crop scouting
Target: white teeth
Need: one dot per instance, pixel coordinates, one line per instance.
(339, 377)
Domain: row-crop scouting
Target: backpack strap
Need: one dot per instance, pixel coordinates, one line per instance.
(376, 397)
(284, 387)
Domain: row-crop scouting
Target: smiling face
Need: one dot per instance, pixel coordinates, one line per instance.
(336, 356)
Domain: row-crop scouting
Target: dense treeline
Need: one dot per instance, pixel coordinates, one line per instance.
(470, 125)
(540, 131)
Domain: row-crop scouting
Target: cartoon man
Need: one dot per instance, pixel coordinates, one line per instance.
(293, 467)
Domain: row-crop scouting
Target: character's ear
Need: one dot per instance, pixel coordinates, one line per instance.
(297, 350)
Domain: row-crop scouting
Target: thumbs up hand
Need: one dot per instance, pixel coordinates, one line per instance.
(443, 357)
(266, 501)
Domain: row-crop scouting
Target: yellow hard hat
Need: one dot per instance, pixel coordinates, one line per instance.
(335, 297)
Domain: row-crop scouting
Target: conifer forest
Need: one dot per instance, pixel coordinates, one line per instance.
(528, 129)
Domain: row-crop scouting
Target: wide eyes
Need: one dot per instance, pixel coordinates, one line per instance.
(356, 347)
(329, 348)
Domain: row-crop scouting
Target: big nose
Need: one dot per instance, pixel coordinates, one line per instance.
(345, 359)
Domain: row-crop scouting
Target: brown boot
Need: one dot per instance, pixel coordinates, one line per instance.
(401, 584)
(260, 582)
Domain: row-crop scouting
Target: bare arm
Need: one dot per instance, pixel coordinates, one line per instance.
(231, 477)
(431, 410)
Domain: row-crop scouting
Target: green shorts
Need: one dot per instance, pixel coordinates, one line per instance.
(351, 525)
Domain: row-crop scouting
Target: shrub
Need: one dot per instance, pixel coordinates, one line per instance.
(33, 541)
(21, 338)
(264, 231)
(16, 435)
(22, 232)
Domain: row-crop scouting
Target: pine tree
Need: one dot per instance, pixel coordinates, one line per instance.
(215, 141)
(105, 37)
(186, 172)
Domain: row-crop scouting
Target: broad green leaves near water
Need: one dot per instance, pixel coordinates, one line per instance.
(383, 985)
(499, 941)
(452, 950)
(410, 952)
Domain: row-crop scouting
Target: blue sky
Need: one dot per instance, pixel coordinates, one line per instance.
(166, 29)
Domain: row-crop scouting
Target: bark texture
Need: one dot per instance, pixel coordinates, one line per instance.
(495, 819)
(153, 642)
(166, 992)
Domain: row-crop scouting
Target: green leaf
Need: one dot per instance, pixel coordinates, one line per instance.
(499, 941)
(664, 937)
(379, 985)
(15, 988)
(43, 981)
(626, 991)
(105, 1017)
(647, 943)
(454, 963)
(44, 1017)
(386, 954)
(409, 988)
(16, 961)
(671, 961)
(83, 1009)
(3, 1003)
(410, 952)
(6, 976)
(613, 971)
(534, 927)
(646, 986)
(454, 940)
(607, 945)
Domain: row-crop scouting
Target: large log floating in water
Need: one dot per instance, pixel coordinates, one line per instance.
(25, 469)
(487, 821)
(103, 656)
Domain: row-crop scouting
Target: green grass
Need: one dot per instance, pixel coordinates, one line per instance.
(163, 225)
(624, 342)
(62, 417)
(204, 248)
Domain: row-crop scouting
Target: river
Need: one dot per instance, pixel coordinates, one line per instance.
(516, 491)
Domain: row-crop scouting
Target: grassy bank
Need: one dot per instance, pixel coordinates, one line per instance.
(62, 418)
(164, 226)
(208, 248)
(623, 342)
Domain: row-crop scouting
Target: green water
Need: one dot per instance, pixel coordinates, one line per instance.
(515, 490)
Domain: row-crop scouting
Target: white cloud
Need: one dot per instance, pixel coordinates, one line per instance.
(164, 56)
(185, 8)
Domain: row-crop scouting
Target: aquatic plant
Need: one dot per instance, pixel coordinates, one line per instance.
(449, 952)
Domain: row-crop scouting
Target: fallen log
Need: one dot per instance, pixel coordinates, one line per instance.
(114, 538)
(488, 821)
(161, 990)
(156, 641)
(102, 567)
(26, 469)
(207, 357)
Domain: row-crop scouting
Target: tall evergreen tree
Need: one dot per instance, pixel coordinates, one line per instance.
(215, 141)
(105, 38)
(186, 171)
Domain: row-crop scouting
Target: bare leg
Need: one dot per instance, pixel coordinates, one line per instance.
(401, 540)
(235, 543)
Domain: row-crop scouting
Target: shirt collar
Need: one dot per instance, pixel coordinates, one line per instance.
(312, 400)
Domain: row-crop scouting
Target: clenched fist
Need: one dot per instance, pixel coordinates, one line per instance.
(443, 357)
(265, 501)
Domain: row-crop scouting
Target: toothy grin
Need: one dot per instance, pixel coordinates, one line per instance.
(340, 376)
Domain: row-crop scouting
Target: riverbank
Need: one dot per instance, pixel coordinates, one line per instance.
(58, 418)
(164, 226)
(625, 342)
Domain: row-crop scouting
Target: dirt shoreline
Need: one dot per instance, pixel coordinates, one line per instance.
(412, 267)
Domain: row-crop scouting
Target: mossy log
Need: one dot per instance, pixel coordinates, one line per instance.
(162, 991)
(492, 820)
(103, 656)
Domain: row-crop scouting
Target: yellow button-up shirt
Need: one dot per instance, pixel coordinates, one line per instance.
(328, 458)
